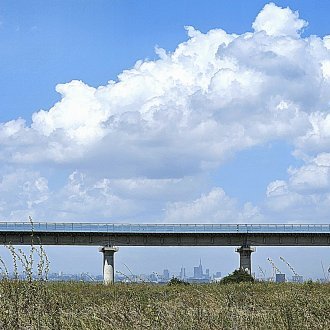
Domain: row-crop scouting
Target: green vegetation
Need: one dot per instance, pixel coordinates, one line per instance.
(44, 305)
(237, 276)
(177, 281)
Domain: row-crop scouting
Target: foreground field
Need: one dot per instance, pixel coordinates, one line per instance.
(41, 305)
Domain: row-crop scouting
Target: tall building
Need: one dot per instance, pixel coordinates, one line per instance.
(297, 279)
(217, 274)
(198, 271)
(166, 275)
(183, 273)
(279, 278)
(199, 276)
(152, 278)
(217, 277)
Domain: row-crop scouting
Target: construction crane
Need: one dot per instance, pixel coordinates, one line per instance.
(325, 276)
(262, 273)
(275, 269)
(291, 268)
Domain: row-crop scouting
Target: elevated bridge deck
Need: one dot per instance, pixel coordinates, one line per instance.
(48, 233)
(111, 235)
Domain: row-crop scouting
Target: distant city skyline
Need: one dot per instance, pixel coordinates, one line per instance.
(198, 276)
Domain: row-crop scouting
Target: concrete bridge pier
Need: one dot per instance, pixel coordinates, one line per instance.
(108, 263)
(245, 252)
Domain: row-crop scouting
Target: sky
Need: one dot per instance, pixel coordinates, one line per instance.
(169, 112)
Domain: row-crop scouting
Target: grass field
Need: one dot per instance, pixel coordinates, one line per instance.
(37, 304)
(45, 305)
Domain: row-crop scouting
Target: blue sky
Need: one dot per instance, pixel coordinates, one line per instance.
(225, 125)
(48, 42)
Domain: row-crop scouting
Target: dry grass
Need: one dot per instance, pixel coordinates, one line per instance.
(44, 305)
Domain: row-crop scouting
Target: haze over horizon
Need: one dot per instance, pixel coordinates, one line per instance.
(204, 112)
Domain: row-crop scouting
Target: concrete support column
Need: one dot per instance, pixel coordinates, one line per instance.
(108, 263)
(245, 257)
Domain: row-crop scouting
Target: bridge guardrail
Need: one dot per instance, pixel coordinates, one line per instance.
(162, 228)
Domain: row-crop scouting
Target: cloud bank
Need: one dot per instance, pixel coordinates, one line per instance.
(174, 120)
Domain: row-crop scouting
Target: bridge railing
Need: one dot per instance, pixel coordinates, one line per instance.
(161, 228)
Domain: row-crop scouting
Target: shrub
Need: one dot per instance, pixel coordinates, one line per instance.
(237, 276)
(176, 281)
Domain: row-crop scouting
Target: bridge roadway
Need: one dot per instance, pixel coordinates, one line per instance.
(105, 234)
(111, 235)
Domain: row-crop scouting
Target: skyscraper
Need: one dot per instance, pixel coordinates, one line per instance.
(182, 273)
(166, 275)
(198, 271)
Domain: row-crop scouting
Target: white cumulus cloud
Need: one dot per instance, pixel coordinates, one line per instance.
(190, 110)
(215, 206)
(277, 21)
(166, 123)
(305, 195)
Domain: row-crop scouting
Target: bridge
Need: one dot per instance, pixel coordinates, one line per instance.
(112, 235)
